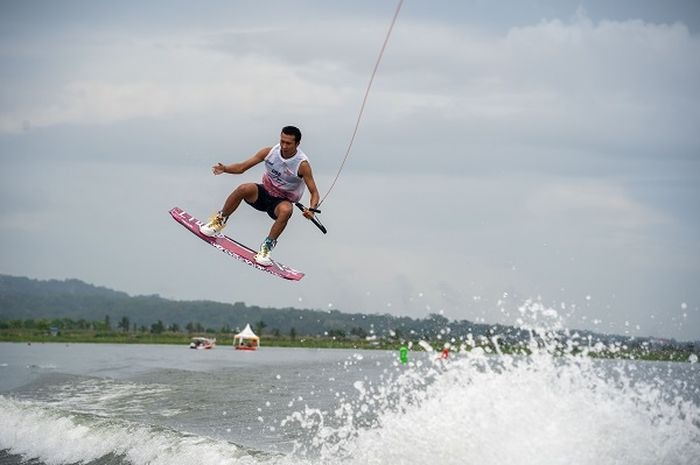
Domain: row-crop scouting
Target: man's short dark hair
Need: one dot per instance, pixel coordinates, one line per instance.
(292, 131)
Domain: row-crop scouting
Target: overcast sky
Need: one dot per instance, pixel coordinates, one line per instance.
(509, 150)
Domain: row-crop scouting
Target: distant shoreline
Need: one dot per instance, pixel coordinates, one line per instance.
(226, 340)
(178, 339)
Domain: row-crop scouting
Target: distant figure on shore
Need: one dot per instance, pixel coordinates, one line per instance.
(403, 355)
(445, 352)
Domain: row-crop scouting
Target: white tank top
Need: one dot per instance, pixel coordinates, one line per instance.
(281, 178)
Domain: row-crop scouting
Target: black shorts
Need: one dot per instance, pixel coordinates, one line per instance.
(266, 202)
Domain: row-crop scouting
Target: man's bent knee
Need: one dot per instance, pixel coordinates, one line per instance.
(283, 211)
(248, 191)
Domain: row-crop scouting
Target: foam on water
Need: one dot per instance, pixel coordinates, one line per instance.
(105, 397)
(54, 437)
(552, 406)
(532, 411)
(549, 407)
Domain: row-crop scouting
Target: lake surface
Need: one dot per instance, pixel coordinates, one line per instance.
(155, 404)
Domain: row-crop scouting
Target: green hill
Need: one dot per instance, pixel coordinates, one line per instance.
(24, 299)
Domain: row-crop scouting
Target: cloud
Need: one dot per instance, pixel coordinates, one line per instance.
(551, 72)
(600, 202)
(576, 82)
(103, 102)
(553, 94)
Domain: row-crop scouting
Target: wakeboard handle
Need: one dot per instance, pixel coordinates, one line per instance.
(314, 220)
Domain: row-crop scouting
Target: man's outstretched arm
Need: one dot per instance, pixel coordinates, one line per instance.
(242, 167)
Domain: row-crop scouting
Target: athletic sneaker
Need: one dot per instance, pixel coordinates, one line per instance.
(263, 255)
(214, 226)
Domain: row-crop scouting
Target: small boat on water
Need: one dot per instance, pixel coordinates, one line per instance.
(246, 339)
(202, 343)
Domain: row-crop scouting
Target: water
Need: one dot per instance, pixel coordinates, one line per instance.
(144, 404)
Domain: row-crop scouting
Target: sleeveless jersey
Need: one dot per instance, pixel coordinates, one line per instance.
(281, 178)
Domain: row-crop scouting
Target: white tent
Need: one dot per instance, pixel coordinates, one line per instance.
(246, 339)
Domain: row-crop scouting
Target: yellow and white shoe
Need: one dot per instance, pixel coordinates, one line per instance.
(214, 226)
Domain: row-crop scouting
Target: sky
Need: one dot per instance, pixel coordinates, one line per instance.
(510, 151)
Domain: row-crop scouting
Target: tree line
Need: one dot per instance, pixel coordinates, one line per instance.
(125, 325)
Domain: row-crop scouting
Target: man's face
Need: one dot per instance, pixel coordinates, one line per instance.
(288, 145)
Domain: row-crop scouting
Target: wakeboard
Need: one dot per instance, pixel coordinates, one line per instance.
(232, 247)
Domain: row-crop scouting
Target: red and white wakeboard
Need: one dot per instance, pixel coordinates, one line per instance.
(232, 247)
